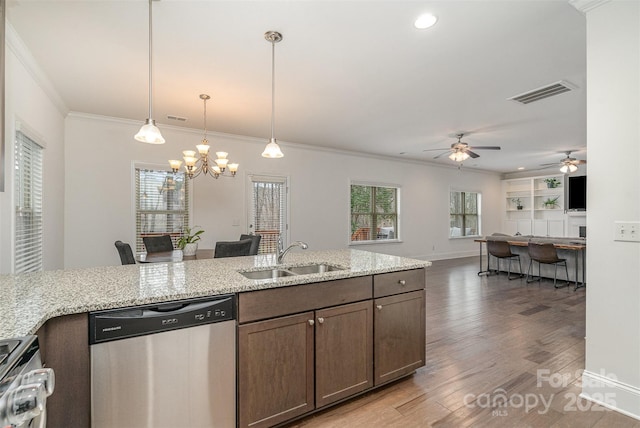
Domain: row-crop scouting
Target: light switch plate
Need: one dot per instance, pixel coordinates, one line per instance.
(628, 231)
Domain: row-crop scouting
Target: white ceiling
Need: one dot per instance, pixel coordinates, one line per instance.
(352, 75)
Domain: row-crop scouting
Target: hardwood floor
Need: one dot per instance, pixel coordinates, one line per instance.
(499, 354)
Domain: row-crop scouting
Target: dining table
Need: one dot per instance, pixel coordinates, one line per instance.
(173, 256)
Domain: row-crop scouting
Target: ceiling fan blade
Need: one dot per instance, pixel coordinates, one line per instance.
(472, 154)
(487, 147)
(579, 162)
(431, 150)
(549, 165)
(441, 154)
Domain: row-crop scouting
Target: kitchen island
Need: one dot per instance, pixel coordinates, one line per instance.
(55, 304)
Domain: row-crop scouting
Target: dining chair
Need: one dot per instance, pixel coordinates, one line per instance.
(158, 244)
(232, 248)
(126, 255)
(255, 243)
(546, 254)
(502, 250)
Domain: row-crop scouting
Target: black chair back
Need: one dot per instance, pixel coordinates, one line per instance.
(158, 244)
(126, 255)
(232, 248)
(255, 243)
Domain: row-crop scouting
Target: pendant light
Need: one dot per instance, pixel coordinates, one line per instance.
(149, 132)
(272, 150)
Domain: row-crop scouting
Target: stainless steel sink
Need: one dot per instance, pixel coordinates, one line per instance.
(279, 272)
(315, 268)
(267, 274)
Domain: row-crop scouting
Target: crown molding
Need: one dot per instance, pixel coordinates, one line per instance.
(585, 6)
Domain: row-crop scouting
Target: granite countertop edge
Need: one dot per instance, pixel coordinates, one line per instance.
(29, 300)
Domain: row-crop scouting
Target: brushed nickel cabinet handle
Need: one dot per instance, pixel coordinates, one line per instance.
(402, 282)
(311, 322)
(320, 320)
(379, 307)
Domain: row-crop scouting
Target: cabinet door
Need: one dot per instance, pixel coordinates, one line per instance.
(344, 351)
(275, 370)
(399, 323)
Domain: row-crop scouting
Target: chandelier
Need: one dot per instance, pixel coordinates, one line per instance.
(202, 163)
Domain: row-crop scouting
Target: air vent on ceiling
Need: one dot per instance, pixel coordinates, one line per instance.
(181, 119)
(544, 92)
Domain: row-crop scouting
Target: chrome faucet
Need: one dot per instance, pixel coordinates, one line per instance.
(282, 253)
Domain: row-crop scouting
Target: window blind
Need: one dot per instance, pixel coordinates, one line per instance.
(162, 204)
(268, 211)
(28, 204)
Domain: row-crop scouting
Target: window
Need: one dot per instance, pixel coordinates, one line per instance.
(268, 211)
(464, 214)
(28, 203)
(374, 213)
(162, 204)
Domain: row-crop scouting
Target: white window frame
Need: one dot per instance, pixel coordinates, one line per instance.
(28, 254)
(397, 233)
(137, 246)
(285, 208)
(479, 214)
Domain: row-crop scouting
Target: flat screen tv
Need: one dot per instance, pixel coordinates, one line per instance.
(578, 193)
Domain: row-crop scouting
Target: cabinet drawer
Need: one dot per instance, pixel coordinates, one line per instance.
(387, 284)
(275, 302)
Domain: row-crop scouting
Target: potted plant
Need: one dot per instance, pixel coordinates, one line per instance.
(550, 203)
(188, 241)
(552, 182)
(518, 203)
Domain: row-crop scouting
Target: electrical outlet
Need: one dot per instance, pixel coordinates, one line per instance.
(628, 231)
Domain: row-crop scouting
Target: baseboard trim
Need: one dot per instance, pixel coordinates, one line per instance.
(611, 393)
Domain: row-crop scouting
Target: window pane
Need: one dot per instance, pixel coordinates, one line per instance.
(28, 158)
(374, 213)
(268, 216)
(162, 203)
(464, 214)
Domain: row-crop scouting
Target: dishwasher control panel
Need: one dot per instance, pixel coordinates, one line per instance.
(117, 324)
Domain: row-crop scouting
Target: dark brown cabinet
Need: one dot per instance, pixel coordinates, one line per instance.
(399, 335)
(344, 350)
(290, 365)
(275, 370)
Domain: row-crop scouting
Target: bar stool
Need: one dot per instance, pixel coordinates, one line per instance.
(502, 250)
(546, 254)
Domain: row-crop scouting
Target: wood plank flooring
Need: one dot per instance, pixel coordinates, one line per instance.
(499, 354)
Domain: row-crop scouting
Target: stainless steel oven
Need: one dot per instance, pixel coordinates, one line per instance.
(24, 384)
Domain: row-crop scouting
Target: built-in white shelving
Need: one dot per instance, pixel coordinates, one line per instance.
(535, 217)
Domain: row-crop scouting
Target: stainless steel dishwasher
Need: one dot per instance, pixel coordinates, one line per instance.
(164, 365)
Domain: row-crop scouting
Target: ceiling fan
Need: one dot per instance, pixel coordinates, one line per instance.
(567, 164)
(461, 151)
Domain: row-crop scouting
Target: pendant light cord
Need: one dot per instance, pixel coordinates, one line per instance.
(150, 59)
(273, 87)
(205, 119)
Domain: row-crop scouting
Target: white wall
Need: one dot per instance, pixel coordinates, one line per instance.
(99, 200)
(613, 132)
(31, 105)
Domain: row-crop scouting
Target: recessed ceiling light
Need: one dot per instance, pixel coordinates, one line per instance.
(425, 21)
(520, 168)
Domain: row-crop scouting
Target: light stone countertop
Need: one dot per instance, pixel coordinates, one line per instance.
(27, 301)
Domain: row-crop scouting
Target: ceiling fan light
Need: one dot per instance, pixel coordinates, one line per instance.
(573, 168)
(459, 156)
(272, 150)
(425, 21)
(564, 169)
(149, 133)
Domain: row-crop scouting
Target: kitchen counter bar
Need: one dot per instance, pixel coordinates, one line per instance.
(28, 300)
